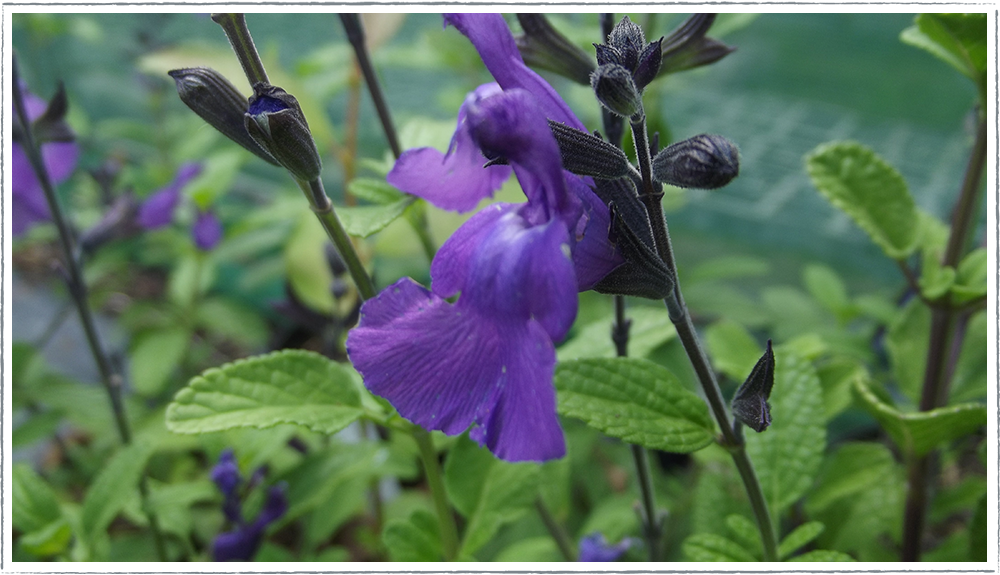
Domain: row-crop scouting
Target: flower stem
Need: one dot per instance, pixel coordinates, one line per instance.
(556, 530)
(110, 378)
(681, 317)
(356, 36)
(449, 532)
(942, 333)
(235, 26)
(323, 208)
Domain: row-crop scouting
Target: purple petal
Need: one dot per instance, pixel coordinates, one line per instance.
(454, 181)
(158, 209)
(451, 265)
(594, 256)
(595, 547)
(207, 231)
(495, 44)
(187, 172)
(239, 544)
(226, 474)
(60, 160)
(29, 205)
(274, 507)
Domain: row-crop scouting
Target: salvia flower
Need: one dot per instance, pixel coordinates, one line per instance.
(595, 547)
(158, 209)
(206, 231)
(487, 360)
(243, 541)
(59, 154)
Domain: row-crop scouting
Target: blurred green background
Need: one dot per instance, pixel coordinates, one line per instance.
(796, 80)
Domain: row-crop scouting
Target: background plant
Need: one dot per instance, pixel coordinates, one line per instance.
(212, 313)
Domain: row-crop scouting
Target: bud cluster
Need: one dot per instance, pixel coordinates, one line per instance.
(625, 66)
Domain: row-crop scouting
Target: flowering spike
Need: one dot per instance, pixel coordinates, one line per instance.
(705, 161)
(750, 404)
(275, 121)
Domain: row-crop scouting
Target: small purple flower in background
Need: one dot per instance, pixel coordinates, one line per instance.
(206, 231)
(158, 209)
(595, 547)
(488, 359)
(28, 203)
(243, 541)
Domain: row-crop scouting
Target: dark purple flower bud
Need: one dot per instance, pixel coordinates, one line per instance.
(274, 507)
(588, 155)
(158, 209)
(226, 474)
(207, 231)
(542, 46)
(616, 90)
(214, 98)
(750, 404)
(706, 161)
(648, 66)
(242, 543)
(595, 547)
(628, 40)
(275, 121)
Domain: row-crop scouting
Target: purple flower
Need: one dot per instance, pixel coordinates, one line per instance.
(207, 230)
(487, 360)
(28, 203)
(242, 542)
(158, 209)
(595, 547)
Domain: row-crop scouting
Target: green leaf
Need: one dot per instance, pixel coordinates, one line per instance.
(829, 290)
(970, 281)
(850, 470)
(958, 39)
(977, 531)
(746, 531)
(935, 280)
(734, 351)
(155, 357)
(614, 516)
(50, 540)
(918, 433)
(363, 221)
(823, 556)
(711, 547)
(415, 539)
(788, 454)
(508, 491)
(192, 276)
(837, 378)
(34, 504)
(635, 400)
(291, 386)
(971, 373)
(374, 190)
(907, 343)
(533, 549)
(114, 486)
(856, 180)
(465, 473)
(651, 328)
(800, 536)
(305, 264)
(37, 427)
(227, 318)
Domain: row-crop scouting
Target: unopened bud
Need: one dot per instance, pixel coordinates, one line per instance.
(275, 121)
(648, 66)
(628, 41)
(750, 404)
(214, 98)
(616, 90)
(706, 161)
(588, 155)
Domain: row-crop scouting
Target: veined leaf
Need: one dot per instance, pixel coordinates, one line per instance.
(746, 531)
(291, 386)
(918, 433)
(111, 490)
(800, 536)
(788, 454)
(374, 190)
(415, 539)
(651, 327)
(635, 400)
(711, 547)
(856, 180)
(958, 39)
(363, 221)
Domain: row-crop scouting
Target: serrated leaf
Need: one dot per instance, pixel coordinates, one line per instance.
(155, 357)
(114, 486)
(823, 556)
(746, 531)
(787, 455)
(711, 547)
(970, 281)
(373, 190)
(415, 539)
(907, 343)
(856, 180)
(851, 469)
(958, 39)
(509, 490)
(734, 351)
(651, 328)
(920, 432)
(363, 221)
(34, 504)
(291, 386)
(829, 290)
(800, 536)
(635, 400)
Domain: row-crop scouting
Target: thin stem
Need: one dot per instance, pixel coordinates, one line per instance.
(681, 317)
(324, 211)
(556, 530)
(356, 36)
(449, 532)
(235, 26)
(651, 524)
(942, 332)
(110, 379)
